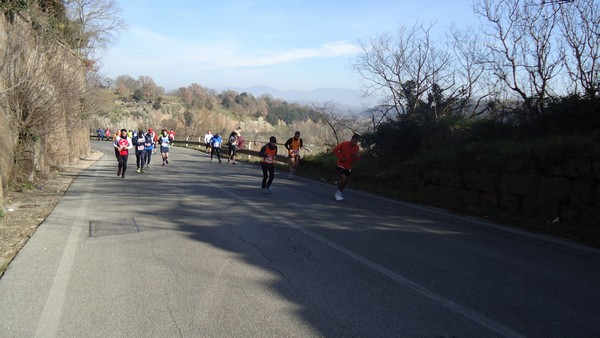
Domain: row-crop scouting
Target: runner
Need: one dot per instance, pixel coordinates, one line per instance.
(347, 153)
(116, 136)
(268, 153)
(140, 151)
(207, 138)
(165, 144)
(233, 143)
(294, 145)
(215, 147)
(172, 137)
(100, 133)
(241, 140)
(155, 141)
(122, 145)
(149, 146)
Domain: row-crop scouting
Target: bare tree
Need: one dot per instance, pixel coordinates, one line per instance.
(473, 87)
(409, 70)
(340, 125)
(579, 23)
(523, 48)
(147, 85)
(96, 24)
(125, 84)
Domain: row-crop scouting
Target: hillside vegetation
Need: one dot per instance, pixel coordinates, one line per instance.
(194, 110)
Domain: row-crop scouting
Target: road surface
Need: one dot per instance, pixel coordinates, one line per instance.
(192, 249)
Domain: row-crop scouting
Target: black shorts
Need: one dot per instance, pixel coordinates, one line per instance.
(343, 171)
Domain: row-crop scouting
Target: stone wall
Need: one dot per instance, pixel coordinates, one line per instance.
(571, 192)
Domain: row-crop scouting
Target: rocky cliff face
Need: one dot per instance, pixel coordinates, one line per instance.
(42, 85)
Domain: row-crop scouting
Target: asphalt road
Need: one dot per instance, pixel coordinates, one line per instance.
(192, 249)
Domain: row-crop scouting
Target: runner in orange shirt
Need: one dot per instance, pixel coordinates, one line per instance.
(347, 153)
(294, 145)
(268, 153)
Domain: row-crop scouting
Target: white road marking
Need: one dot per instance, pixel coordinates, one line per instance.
(53, 308)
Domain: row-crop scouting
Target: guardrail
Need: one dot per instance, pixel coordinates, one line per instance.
(225, 149)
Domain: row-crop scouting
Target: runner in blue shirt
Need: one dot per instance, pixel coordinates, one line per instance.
(215, 143)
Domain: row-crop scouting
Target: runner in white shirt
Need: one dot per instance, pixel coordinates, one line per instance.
(207, 139)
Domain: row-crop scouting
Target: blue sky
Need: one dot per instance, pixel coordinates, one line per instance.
(285, 44)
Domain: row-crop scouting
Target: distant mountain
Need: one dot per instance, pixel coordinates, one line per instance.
(344, 99)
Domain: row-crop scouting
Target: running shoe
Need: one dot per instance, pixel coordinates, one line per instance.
(338, 196)
(265, 191)
(269, 191)
(139, 170)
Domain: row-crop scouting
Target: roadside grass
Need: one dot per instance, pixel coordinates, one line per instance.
(27, 185)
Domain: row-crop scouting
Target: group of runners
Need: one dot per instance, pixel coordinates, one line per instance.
(145, 144)
(347, 153)
(103, 133)
(214, 143)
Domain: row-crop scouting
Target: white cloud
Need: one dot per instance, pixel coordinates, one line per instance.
(327, 50)
(151, 48)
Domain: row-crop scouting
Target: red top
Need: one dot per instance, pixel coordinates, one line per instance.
(347, 153)
(123, 142)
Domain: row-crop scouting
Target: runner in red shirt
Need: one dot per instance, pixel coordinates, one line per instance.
(122, 145)
(347, 153)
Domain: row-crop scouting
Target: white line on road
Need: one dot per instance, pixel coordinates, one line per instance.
(52, 312)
